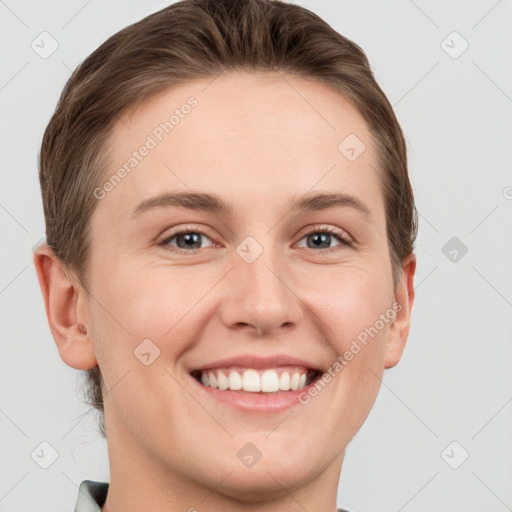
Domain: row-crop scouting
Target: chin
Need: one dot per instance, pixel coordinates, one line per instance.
(281, 469)
(266, 481)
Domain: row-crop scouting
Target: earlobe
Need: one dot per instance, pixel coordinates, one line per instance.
(404, 297)
(64, 301)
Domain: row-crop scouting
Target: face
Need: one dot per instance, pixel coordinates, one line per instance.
(210, 268)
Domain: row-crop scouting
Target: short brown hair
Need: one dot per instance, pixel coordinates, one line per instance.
(193, 39)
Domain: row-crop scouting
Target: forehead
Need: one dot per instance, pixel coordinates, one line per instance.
(241, 135)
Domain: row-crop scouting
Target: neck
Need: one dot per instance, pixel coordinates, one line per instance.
(140, 480)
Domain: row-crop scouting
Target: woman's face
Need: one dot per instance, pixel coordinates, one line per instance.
(206, 259)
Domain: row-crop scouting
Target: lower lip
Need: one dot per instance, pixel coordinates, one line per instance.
(256, 402)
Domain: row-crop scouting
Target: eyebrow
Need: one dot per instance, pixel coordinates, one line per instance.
(212, 203)
(322, 201)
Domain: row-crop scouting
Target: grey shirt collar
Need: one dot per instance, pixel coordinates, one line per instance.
(91, 496)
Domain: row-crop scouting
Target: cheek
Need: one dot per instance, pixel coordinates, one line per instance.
(160, 303)
(351, 303)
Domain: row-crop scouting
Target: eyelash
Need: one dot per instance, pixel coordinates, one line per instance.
(344, 241)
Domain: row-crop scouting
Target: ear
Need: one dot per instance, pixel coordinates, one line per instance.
(404, 298)
(66, 310)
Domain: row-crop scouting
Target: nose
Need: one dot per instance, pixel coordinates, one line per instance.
(260, 296)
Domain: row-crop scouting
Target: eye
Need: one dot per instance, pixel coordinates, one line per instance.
(191, 240)
(321, 238)
(186, 240)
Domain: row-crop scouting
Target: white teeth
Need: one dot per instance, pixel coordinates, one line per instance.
(294, 382)
(251, 381)
(270, 381)
(222, 381)
(235, 381)
(284, 381)
(254, 381)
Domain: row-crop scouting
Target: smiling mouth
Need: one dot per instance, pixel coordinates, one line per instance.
(250, 380)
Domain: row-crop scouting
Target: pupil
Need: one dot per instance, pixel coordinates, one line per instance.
(319, 239)
(191, 239)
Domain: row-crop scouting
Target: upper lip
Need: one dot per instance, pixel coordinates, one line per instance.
(257, 362)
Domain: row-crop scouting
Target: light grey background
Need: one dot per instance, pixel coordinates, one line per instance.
(454, 380)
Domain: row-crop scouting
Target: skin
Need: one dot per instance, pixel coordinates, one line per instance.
(257, 143)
